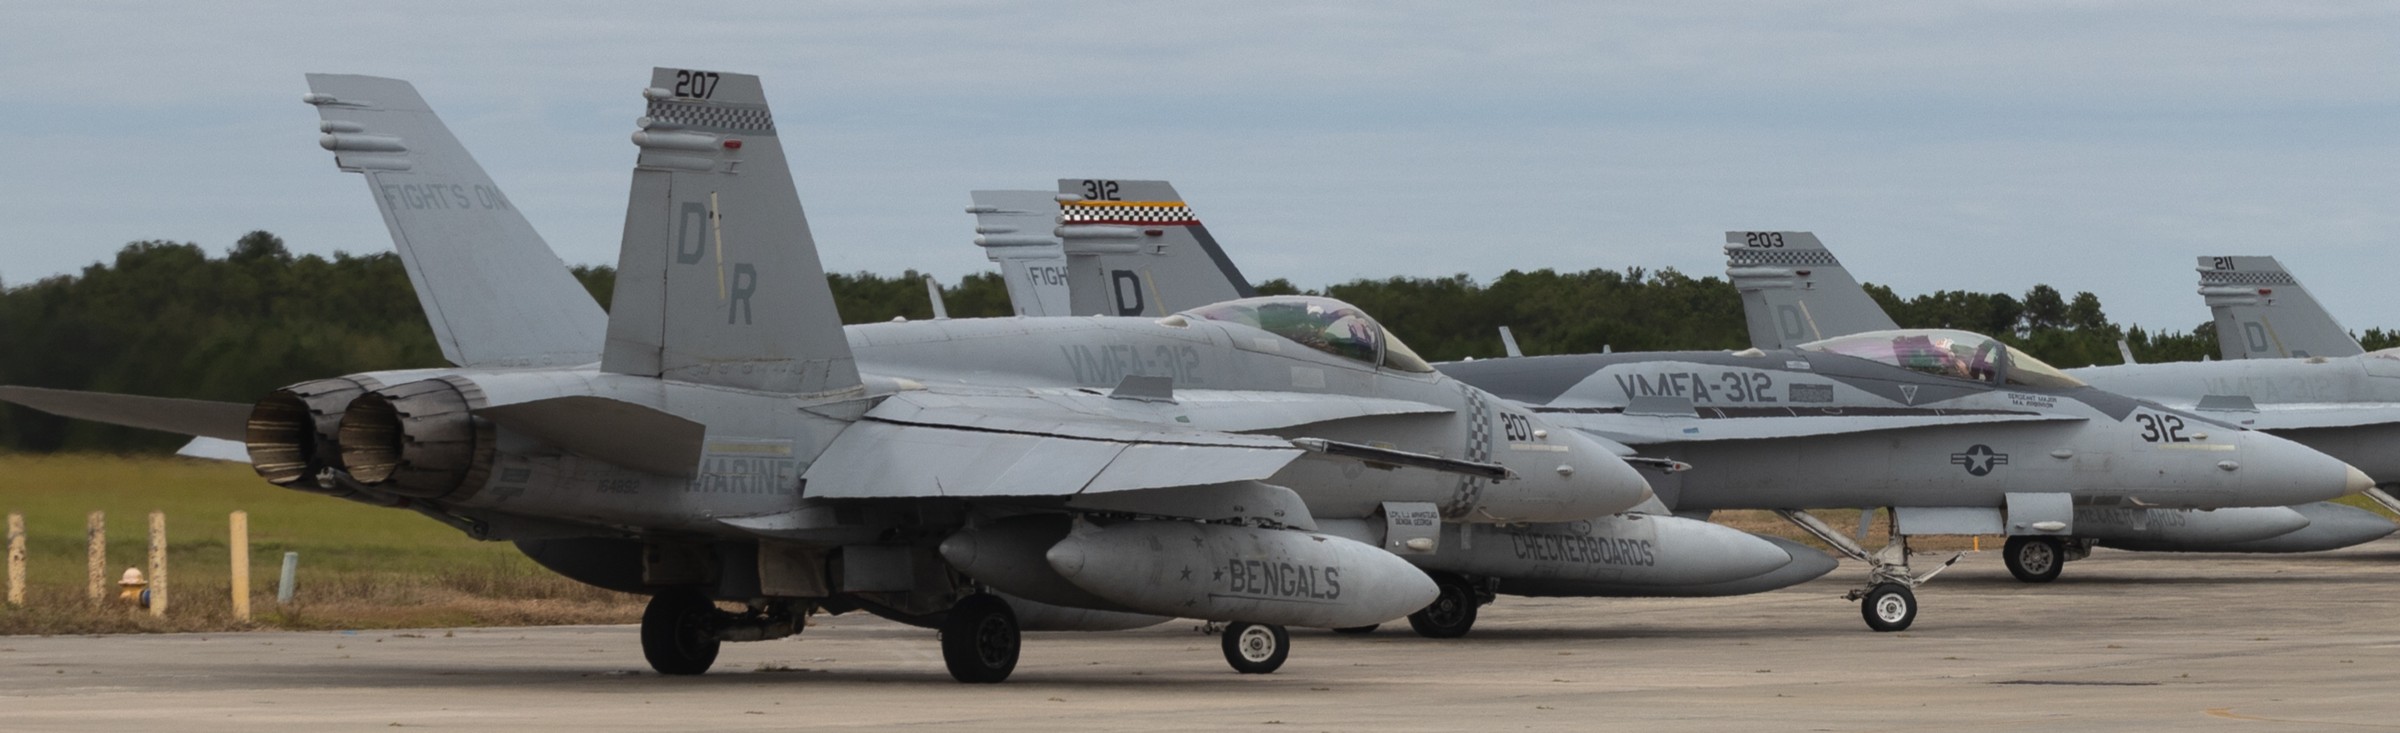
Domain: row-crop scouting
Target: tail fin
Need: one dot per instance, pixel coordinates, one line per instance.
(718, 281)
(1014, 229)
(2263, 313)
(494, 292)
(1134, 249)
(1794, 291)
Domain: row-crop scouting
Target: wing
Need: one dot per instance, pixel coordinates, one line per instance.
(2311, 415)
(1054, 443)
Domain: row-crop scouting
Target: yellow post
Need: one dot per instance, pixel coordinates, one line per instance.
(240, 542)
(158, 564)
(16, 559)
(95, 557)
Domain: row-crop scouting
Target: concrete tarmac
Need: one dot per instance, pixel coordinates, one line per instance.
(2123, 641)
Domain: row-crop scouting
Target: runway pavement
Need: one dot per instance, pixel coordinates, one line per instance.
(2123, 641)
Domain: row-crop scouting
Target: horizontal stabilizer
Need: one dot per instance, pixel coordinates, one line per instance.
(203, 418)
(232, 451)
(1395, 457)
(622, 433)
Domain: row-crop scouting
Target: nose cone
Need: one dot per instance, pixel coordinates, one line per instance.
(2272, 471)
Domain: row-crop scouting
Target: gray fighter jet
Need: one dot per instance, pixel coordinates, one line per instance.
(1794, 290)
(1953, 432)
(1054, 251)
(718, 436)
(2289, 368)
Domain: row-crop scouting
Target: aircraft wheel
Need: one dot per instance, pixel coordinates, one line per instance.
(2034, 559)
(1256, 648)
(1367, 629)
(677, 637)
(1889, 607)
(1451, 614)
(980, 639)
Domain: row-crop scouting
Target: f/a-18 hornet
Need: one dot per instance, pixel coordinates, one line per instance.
(1953, 432)
(1794, 290)
(2288, 368)
(1057, 261)
(719, 436)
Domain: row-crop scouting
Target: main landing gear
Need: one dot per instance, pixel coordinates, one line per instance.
(682, 630)
(2033, 558)
(1888, 602)
(1452, 613)
(980, 639)
(1256, 648)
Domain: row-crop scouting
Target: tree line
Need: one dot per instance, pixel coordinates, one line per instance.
(172, 319)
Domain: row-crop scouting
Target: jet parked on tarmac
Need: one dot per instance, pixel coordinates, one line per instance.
(1953, 432)
(1795, 291)
(718, 436)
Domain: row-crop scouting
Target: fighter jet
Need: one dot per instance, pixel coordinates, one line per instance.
(2289, 368)
(718, 436)
(1053, 253)
(1953, 432)
(1794, 290)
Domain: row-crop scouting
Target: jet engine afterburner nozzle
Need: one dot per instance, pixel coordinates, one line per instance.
(417, 439)
(292, 432)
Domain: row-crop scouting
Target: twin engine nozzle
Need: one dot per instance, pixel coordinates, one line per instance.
(416, 440)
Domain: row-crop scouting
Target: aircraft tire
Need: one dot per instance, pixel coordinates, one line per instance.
(980, 639)
(2034, 559)
(676, 633)
(1452, 613)
(1889, 607)
(1367, 629)
(1256, 648)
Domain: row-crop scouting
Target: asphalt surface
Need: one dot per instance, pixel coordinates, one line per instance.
(2123, 641)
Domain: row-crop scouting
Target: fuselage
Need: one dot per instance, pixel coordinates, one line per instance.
(2362, 392)
(1802, 429)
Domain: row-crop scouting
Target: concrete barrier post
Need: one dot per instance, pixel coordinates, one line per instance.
(95, 557)
(158, 564)
(291, 572)
(239, 541)
(16, 559)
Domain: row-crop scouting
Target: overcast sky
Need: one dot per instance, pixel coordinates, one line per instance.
(1962, 145)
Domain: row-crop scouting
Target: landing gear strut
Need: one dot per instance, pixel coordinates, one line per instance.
(1256, 648)
(679, 634)
(1452, 613)
(2034, 558)
(1887, 602)
(980, 639)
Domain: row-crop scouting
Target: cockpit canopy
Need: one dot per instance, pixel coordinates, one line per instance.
(1955, 354)
(1323, 324)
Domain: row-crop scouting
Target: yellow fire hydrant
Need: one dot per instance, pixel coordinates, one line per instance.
(132, 590)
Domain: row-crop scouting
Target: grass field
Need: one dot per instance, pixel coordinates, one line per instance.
(360, 566)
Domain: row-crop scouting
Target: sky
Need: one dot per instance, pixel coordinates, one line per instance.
(1983, 146)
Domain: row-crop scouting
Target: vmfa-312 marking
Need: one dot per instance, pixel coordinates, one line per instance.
(719, 436)
(1134, 245)
(1794, 290)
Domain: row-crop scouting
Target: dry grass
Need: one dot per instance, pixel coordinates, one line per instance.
(360, 566)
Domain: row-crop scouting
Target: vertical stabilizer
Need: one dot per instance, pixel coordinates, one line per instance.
(718, 281)
(1014, 230)
(2263, 313)
(1794, 291)
(1134, 249)
(494, 292)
